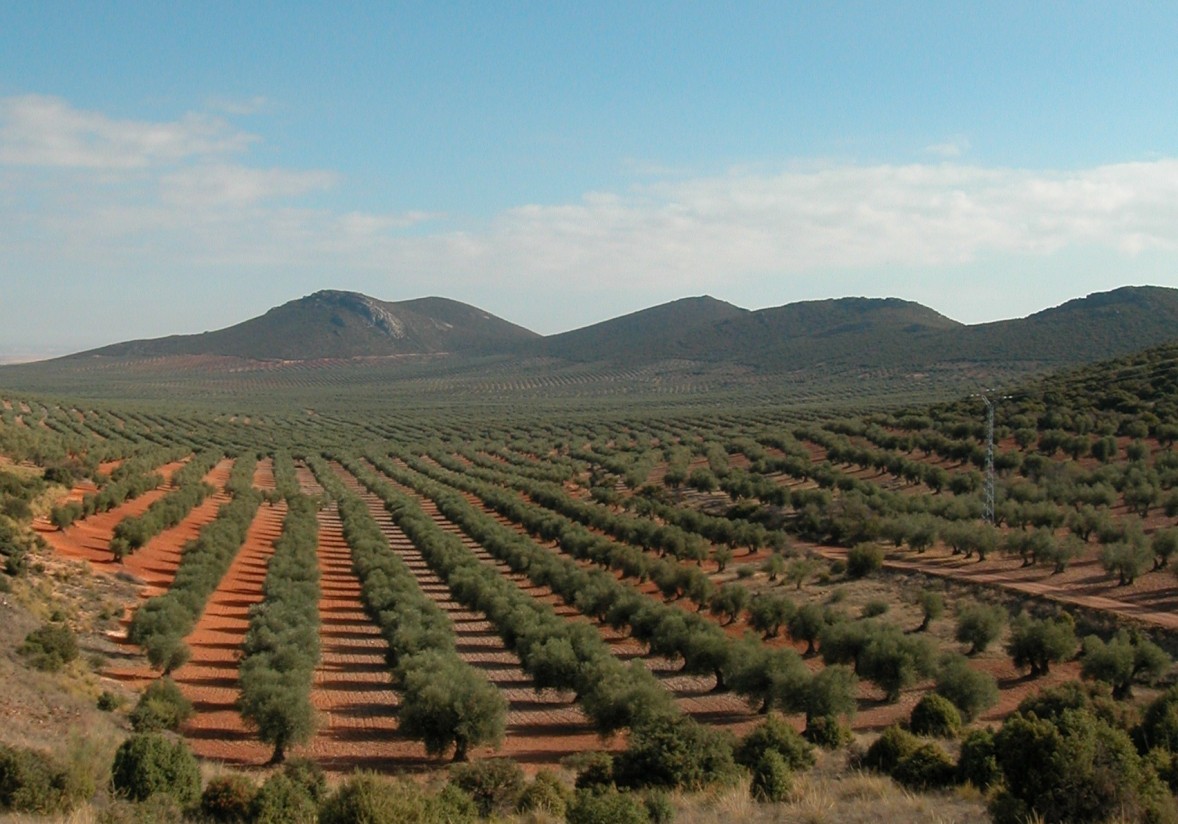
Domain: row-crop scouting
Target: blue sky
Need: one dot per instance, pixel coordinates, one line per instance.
(176, 167)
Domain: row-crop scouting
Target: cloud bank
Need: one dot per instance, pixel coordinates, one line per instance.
(81, 186)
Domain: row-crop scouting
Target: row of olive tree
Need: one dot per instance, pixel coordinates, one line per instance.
(134, 531)
(281, 646)
(160, 625)
(131, 479)
(444, 701)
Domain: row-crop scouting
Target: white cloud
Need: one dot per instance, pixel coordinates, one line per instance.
(219, 184)
(949, 149)
(153, 197)
(46, 131)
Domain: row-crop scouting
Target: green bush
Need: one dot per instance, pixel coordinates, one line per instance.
(864, 559)
(827, 731)
(547, 793)
(593, 769)
(495, 784)
(978, 763)
(674, 751)
(308, 775)
(928, 767)
(50, 647)
(228, 798)
(109, 701)
(936, 716)
(606, 807)
(35, 782)
(366, 797)
(281, 800)
(159, 809)
(893, 745)
(146, 764)
(771, 780)
(161, 707)
(775, 735)
(1075, 768)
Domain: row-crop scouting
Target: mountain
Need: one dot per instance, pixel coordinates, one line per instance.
(657, 333)
(333, 324)
(338, 344)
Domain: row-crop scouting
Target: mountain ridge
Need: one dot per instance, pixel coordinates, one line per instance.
(693, 347)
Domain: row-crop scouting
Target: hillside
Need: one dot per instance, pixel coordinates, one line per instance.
(333, 324)
(346, 348)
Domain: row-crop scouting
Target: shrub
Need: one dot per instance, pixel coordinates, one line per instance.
(161, 707)
(864, 559)
(34, 782)
(777, 736)
(875, 607)
(893, 745)
(367, 797)
(674, 751)
(827, 731)
(771, 781)
(308, 775)
(228, 798)
(108, 701)
(147, 764)
(935, 715)
(925, 768)
(547, 793)
(606, 807)
(659, 808)
(1076, 768)
(159, 809)
(495, 784)
(281, 800)
(50, 647)
(978, 763)
(593, 769)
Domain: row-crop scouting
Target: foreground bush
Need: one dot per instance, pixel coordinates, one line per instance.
(150, 763)
(546, 794)
(366, 797)
(777, 736)
(161, 707)
(282, 801)
(928, 767)
(495, 784)
(674, 752)
(772, 780)
(1074, 767)
(936, 716)
(228, 798)
(606, 807)
(886, 752)
(34, 782)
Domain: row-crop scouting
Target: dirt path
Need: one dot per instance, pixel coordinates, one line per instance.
(1152, 599)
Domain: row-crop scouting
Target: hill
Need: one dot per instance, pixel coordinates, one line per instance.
(663, 331)
(342, 347)
(333, 324)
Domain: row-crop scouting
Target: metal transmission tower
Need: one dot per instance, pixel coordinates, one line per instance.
(988, 493)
